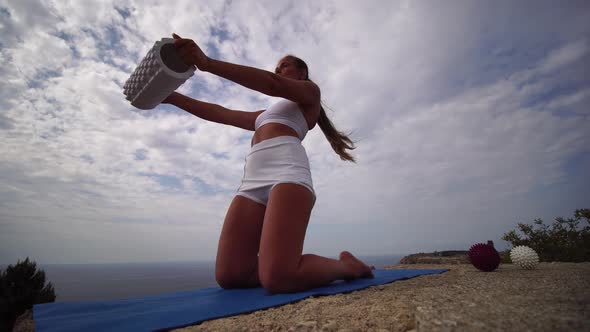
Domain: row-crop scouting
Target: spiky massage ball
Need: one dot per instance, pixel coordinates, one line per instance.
(484, 257)
(524, 257)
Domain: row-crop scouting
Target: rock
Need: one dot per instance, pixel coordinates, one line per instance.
(24, 322)
(330, 326)
(306, 326)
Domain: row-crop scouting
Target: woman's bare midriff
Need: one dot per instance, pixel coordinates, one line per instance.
(272, 130)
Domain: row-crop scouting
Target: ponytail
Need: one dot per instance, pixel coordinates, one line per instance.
(338, 140)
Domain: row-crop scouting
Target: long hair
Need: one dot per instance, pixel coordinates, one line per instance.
(338, 140)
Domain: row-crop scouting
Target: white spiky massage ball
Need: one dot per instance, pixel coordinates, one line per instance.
(524, 257)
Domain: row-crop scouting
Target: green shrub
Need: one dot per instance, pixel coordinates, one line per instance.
(505, 257)
(21, 286)
(566, 240)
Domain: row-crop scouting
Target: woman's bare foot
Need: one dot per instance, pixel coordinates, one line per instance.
(356, 267)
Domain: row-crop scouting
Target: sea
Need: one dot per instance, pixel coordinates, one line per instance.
(110, 281)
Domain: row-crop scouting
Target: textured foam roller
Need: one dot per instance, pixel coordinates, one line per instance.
(159, 73)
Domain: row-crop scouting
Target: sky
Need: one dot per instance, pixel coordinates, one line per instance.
(468, 116)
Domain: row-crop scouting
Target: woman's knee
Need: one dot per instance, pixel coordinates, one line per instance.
(224, 278)
(277, 279)
(235, 275)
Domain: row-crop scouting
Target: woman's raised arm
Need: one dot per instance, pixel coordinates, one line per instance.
(213, 112)
(299, 91)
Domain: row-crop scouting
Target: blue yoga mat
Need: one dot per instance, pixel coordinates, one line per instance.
(179, 309)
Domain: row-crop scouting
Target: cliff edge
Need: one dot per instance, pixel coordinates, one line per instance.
(462, 299)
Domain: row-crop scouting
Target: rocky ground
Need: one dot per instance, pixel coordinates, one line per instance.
(553, 297)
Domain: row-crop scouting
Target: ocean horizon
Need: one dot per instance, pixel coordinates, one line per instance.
(110, 281)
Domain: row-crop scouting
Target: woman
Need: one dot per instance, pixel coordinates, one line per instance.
(261, 242)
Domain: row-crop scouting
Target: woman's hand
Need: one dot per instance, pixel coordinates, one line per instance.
(190, 52)
(171, 98)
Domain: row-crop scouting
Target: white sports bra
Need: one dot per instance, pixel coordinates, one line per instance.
(284, 112)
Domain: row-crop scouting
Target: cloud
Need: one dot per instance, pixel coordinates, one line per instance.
(466, 117)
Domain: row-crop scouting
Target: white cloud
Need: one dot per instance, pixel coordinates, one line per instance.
(463, 114)
(565, 56)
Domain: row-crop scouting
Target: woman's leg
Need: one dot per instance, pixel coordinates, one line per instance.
(236, 265)
(281, 266)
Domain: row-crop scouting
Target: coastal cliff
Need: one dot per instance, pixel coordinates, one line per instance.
(437, 257)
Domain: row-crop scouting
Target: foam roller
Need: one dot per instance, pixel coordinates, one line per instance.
(159, 73)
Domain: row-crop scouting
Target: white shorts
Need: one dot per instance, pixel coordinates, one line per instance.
(276, 160)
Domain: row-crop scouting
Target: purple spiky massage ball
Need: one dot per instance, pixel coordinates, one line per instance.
(484, 257)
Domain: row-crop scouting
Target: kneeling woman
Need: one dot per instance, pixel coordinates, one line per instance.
(262, 238)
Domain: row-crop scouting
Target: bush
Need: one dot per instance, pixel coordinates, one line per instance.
(505, 257)
(21, 286)
(566, 240)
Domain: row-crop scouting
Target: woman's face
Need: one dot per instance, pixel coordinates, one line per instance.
(287, 67)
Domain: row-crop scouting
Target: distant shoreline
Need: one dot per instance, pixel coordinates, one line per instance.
(437, 257)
